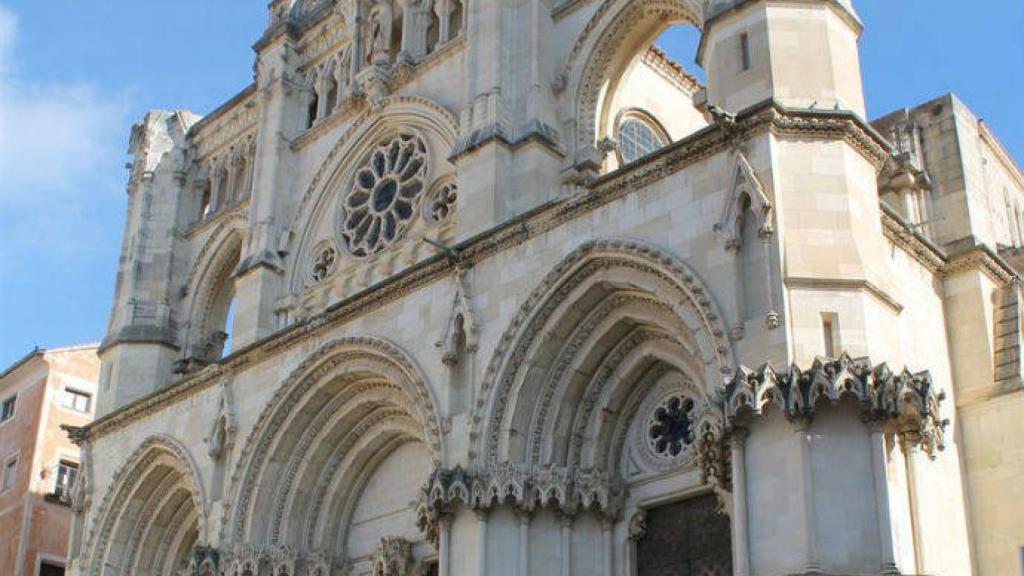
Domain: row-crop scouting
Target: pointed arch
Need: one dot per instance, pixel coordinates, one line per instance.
(433, 122)
(605, 48)
(343, 410)
(607, 315)
(152, 515)
(746, 194)
(209, 288)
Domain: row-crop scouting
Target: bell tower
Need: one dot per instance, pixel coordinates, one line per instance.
(801, 54)
(142, 342)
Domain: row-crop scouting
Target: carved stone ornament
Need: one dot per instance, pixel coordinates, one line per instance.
(393, 557)
(442, 202)
(460, 330)
(638, 525)
(222, 432)
(325, 261)
(384, 195)
(523, 487)
(906, 400)
(745, 184)
(205, 561)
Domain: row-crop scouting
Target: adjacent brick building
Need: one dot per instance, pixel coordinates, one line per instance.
(38, 464)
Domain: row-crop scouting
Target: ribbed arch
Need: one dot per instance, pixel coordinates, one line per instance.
(135, 530)
(610, 315)
(335, 418)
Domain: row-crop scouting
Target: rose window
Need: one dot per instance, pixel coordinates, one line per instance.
(670, 426)
(381, 203)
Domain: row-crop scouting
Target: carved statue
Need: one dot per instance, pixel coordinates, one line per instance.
(377, 34)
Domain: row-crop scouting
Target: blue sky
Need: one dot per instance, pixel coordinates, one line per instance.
(75, 75)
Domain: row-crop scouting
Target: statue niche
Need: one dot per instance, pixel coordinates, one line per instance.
(379, 32)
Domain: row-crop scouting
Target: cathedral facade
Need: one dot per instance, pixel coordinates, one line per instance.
(495, 287)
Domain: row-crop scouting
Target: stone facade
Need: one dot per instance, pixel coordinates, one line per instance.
(513, 293)
(40, 394)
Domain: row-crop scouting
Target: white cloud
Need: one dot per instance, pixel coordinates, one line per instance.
(61, 150)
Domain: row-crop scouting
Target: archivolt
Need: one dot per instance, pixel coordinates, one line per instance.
(610, 313)
(153, 513)
(214, 264)
(352, 401)
(612, 36)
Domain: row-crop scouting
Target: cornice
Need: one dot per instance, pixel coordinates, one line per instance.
(938, 262)
(846, 284)
(980, 258)
(758, 119)
(221, 110)
(897, 231)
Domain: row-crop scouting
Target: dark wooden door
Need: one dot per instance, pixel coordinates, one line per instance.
(686, 538)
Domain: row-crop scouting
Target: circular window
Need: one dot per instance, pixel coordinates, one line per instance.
(325, 257)
(384, 193)
(670, 426)
(442, 202)
(637, 139)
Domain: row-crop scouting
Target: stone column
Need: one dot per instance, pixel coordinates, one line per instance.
(802, 428)
(607, 557)
(524, 544)
(740, 538)
(481, 542)
(444, 545)
(912, 455)
(772, 319)
(442, 8)
(734, 247)
(878, 461)
(565, 543)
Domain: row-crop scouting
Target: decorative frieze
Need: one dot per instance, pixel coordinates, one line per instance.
(522, 487)
(905, 401)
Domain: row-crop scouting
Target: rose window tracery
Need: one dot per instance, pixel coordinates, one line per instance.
(384, 194)
(442, 203)
(323, 262)
(669, 428)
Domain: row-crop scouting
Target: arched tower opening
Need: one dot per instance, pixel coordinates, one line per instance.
(637, 91)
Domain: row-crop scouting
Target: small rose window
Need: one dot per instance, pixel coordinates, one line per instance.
(381, 203)
(670, 426)
(442, 202)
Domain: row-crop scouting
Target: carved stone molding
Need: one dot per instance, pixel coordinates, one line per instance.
(393, 557)
(905, 401)
(525, 488)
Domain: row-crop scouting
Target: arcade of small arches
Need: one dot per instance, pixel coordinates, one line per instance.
(387, 35)
(616, 371)
(225, 179)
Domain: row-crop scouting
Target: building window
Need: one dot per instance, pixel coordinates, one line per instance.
(687, 537)
(384, 195)
(830, 334)
(67, 473)
(638, 138)
(744, 52)
(49, 569)
(77, 400)
(10, 468)
(7, 408)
